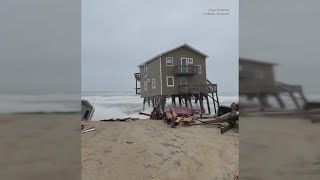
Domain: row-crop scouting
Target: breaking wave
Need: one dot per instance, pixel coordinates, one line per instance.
(126, 104)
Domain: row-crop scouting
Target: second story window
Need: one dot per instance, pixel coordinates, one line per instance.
(169, 61)
(145, 70)
(190, 61)
(199, 70)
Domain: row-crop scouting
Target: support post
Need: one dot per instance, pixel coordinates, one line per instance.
(201, 102)
(208, 104)
(280, 102)
(190, 101)
(180, 101)
(186, 101)
(144, 102)
(303, 97)
(294, 100)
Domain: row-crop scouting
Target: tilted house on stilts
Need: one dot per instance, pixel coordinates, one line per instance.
(257, 80)
(177, 73)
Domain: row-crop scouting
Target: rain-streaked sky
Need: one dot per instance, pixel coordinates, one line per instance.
(119, 35)
(285, 32)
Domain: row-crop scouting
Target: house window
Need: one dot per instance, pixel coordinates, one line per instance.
(169, 61)
(199, 70)
(190, 61)
(170, 81)
(145, 70)
(145, 85)
(153, 83)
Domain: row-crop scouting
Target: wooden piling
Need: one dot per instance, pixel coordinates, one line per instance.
(278, 98)
(144, 102)
(180, 104)
(186, 101)
(208, 104)
(294, 100)
(201, 102)
(189, 98)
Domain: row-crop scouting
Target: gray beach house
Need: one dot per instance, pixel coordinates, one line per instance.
(179, 72)
(257, 80)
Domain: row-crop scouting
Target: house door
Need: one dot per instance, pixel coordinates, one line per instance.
(184, 65)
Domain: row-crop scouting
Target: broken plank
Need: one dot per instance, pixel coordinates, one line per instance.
(142, 113)
(226, 128)
(187, 119)
(177, 122)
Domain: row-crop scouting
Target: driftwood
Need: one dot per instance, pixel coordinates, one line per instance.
(142, 113)
(226, 128)
(169, 117)
(177, 122)
(224, 118)
(124, 119)
(85, 130)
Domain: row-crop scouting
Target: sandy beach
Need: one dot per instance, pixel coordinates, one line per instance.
(40, 146)
(150, 149)
(279, 147)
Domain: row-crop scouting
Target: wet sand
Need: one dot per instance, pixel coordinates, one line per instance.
(40, 146)
(150, 149)
(279, 147)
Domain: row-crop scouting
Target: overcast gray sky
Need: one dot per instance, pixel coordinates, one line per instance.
(119, 35)
(285, 32)
(40, 46)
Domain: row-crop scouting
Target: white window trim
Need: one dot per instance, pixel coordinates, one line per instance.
(172, 81)
(169, 58)
(190, 60)
(153, 83)
(185, 59)
(200, 68)
(145, 85)
(145, 69)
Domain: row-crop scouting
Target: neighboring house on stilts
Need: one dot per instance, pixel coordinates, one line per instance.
(257, 80)
(177, 73)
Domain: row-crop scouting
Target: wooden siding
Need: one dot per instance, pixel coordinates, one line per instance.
(256, 77)
(177, 54)
(153, 72)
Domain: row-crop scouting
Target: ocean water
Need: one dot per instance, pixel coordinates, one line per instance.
(39, 102)
(110, 104)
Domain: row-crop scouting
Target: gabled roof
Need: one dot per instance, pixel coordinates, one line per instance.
(255, 61)
(183, 45)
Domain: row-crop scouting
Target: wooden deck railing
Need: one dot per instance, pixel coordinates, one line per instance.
(186, 69)
(196, 89)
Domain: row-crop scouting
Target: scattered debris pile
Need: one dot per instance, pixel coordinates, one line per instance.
(227, 117)
(86, 129)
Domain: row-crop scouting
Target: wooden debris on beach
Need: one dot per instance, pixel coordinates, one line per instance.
(237, 175)
(175, 116)
(89, 129)
(156, 113)
(119, 119)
